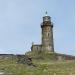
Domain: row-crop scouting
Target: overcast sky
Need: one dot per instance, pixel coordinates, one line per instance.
(20, 24)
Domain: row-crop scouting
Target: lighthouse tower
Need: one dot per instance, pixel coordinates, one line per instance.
(47, 34)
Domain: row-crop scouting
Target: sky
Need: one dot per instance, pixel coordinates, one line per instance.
(20, 25)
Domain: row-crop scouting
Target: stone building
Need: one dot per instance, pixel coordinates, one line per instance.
(47, 36)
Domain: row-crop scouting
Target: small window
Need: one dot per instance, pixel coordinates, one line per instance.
(48, 34)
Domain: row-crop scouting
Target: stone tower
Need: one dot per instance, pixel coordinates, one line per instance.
(47, 34)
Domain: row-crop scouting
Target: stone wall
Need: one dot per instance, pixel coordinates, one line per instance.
(36, 47)
(65, 57)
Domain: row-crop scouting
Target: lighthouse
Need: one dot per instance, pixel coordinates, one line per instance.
(47, 34)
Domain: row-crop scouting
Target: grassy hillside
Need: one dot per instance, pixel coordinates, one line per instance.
(43, 66)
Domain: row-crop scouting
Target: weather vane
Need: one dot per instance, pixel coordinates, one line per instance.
(46, 13)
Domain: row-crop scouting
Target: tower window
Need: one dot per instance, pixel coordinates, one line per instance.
(48, 34)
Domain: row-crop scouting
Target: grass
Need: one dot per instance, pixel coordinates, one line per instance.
(43, 67)
(63, 68)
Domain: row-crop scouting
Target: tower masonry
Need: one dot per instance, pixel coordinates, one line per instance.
(47, 36)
